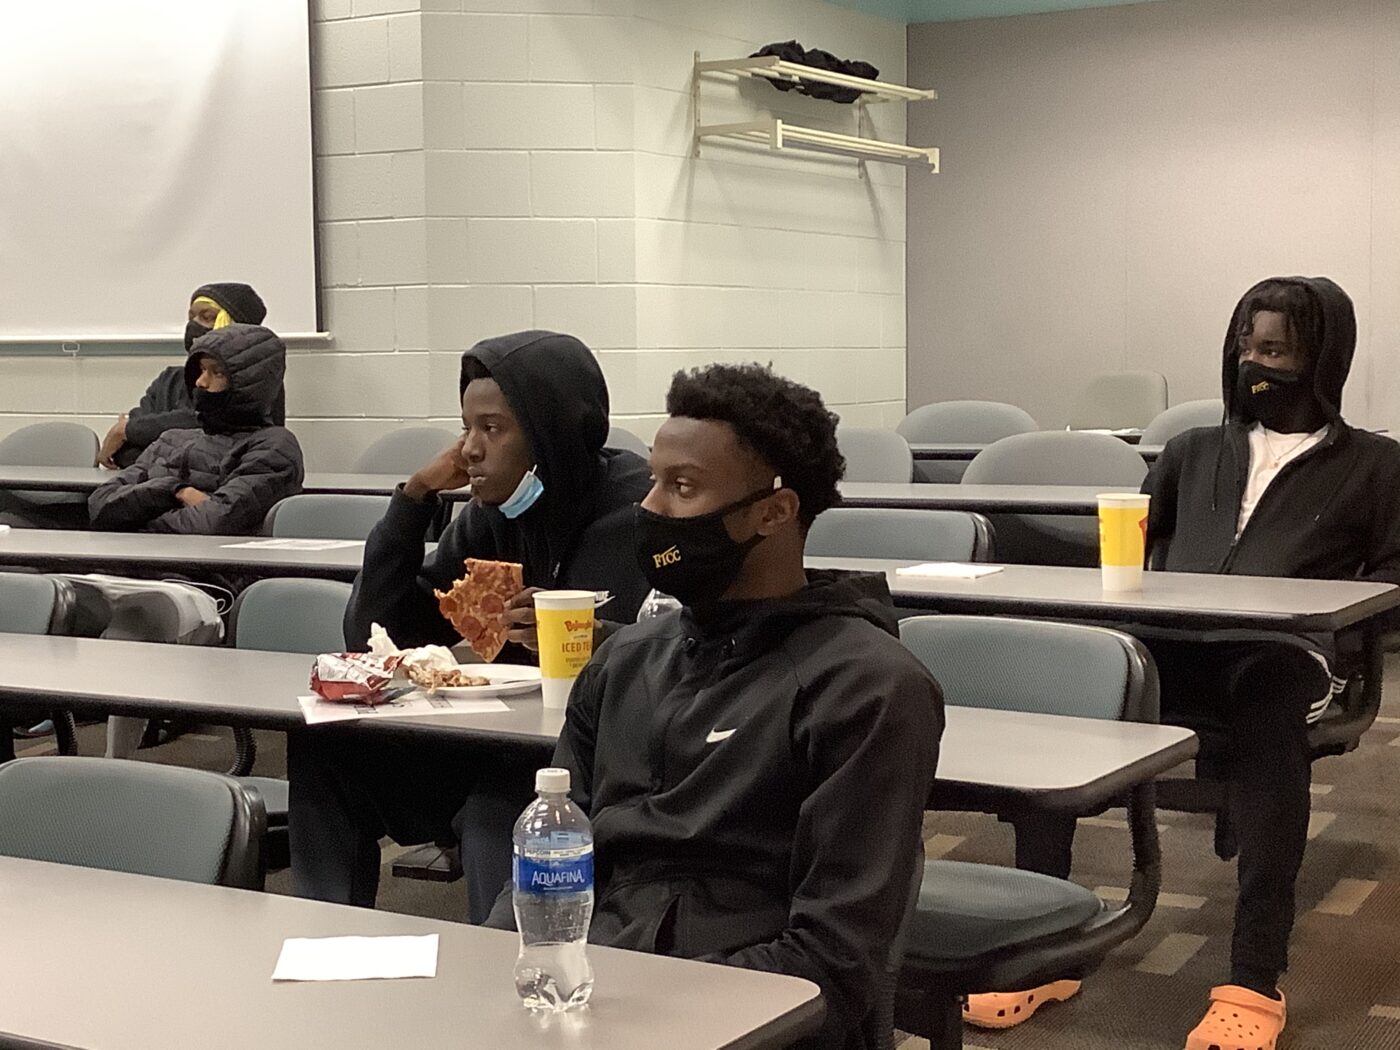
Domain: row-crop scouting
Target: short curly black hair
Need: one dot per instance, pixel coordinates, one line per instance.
(784, 423)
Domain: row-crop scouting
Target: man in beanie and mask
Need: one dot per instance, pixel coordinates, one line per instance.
(168, 403)
(223, 478)
(1283, 487)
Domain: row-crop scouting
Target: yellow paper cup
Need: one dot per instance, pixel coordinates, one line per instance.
(564, 620)
(1122, 539)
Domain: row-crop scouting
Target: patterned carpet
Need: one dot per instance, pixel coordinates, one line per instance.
(1344, 985)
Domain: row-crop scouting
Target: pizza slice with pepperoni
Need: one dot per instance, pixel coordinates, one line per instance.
(476, 604)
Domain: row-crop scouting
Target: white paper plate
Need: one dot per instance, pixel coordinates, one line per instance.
(506, 680)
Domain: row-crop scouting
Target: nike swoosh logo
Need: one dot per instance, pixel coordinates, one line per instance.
(716, 735)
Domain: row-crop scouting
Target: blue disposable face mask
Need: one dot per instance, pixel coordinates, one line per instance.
(525, 496)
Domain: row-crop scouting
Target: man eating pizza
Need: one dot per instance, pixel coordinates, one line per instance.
(549, 501)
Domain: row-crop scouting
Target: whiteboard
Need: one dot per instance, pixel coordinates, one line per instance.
(148, 147)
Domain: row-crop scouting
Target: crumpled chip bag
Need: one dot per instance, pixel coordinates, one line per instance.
(352, 678)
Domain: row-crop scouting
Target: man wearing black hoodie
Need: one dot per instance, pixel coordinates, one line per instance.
(1284, 487)
(223, 478)
(168, 403)
(756, 765)
(546, 494)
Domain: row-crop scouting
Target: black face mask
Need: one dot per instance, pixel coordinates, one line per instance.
(212, 409)
(694, 560)
(193, 330)
(1281, 401)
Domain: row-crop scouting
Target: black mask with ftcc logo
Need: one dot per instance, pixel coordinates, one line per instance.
(1276, 398)
(695, 560)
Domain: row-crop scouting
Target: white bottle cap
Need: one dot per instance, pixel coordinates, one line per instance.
(555, 781)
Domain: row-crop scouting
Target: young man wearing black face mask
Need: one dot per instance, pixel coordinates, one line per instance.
(223, 478)
(755, 765)
(168, 403)
(1284, 487)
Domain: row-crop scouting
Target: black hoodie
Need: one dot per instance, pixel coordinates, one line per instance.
(1332, 513)
(239, 458)
(579, 533)
(756, 779)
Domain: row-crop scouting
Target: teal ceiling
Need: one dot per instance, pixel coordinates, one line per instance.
(958, 10)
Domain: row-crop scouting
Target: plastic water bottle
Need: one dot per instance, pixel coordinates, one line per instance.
(657, 604)
(553, 897)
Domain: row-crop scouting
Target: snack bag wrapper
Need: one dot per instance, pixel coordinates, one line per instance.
(352, 678)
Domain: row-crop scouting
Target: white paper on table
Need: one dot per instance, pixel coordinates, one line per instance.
(948, 570)
(294, 545)
(415, 705)
(356, 958)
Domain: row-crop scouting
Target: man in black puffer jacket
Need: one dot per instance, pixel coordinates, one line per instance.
(223, 478)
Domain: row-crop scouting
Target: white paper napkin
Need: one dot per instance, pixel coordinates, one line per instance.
(356, 958)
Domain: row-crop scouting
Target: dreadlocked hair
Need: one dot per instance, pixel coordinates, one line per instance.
(1302, 314)
(784, 423)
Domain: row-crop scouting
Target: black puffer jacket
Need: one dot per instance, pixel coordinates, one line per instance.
(239, 458)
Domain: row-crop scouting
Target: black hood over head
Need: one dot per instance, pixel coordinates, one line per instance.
(558, 393)
(255, 360)
(1326, 328)
(243, 304)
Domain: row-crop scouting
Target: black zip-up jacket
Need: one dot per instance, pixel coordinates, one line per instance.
(239, 457)
(578, 535)
(168, 404)
(756, 781)
(1332, 513)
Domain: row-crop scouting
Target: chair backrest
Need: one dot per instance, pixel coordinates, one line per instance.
(1036, 666)
(404, 450)
(54, 444)
(1119, 400)
(1057, 457)
(325, 516)
(1184, 416)
(290, 616)
(902, 534)
(626, 440)
(27, 603)
(973, 422)
(138, 817)
(875, 455)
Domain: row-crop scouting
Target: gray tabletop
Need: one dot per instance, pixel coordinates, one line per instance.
(983, 499)
(957, 452)
(1197, 601)
(61, 550)
(98, 959)
(1060, 762)
(85, 479)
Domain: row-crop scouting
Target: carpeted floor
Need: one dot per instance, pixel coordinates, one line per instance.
(1344, 985)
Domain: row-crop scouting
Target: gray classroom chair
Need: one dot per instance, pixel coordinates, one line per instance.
(56, 444)
(627, 441)
(1054, 457)
(404, 450)
(960, 422)
(137, 817)
(32, 604)
(904, 535)
(1183, 417)
(875, 455)
(325, 516)
(1119, 401)
(985, 928)
(284, 616)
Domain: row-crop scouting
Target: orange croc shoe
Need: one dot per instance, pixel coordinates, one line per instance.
(1239, 1019)
(1008, 1009)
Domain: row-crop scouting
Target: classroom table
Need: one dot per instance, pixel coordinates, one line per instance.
(61, 550)
(981, 499)
(85, 479)
(961, 452)
(1050, 761)
(99, 959)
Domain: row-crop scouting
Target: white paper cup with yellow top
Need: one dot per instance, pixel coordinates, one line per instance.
(1122, 539)
(564, 624)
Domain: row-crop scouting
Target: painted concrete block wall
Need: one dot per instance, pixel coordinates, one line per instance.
(491, 165)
